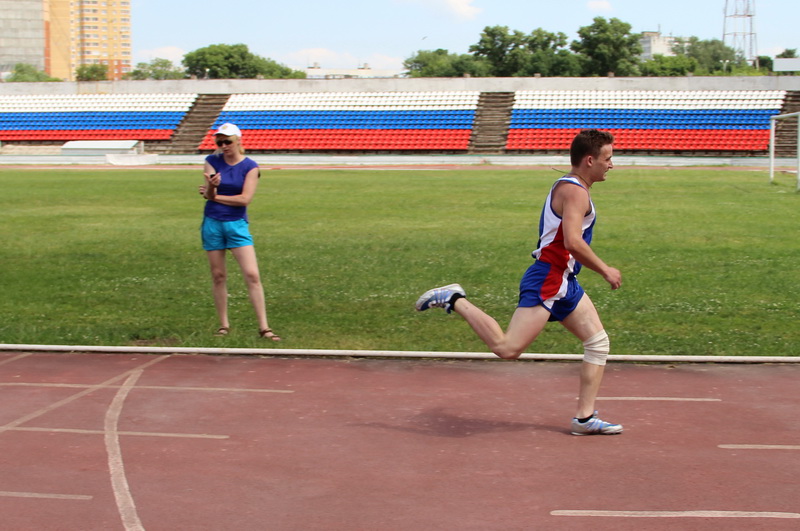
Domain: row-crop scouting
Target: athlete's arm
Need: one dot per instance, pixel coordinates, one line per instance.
(572, 202)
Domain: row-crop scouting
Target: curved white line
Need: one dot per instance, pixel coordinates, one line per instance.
(119, 483)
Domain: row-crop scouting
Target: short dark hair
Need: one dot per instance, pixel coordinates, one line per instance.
(588, 142)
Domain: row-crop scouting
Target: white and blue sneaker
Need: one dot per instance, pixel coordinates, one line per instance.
(439, 298)
(595, 426)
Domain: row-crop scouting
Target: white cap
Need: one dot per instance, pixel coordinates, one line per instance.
(229, 130)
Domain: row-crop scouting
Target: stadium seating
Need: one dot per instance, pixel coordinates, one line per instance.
(351, 121)
(92, 116)
(646, 120)
(655, 121)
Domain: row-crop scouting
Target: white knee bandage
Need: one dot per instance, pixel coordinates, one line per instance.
(596, 348)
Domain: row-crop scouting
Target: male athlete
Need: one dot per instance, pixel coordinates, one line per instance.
(549, 290)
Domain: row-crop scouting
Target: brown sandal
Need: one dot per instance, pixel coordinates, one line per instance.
(222, 331)
(267, 333)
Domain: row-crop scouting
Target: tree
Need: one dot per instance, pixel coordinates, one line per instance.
(505, 51)
(548, 55)
(441, 63)
(157, 69)
(513, 53)
(608, 46)
(665, 66)
(26, 73)
(712, 56)
(92, 73)
(234, 61)
(765, 63)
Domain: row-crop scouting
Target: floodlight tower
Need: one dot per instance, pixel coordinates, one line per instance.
(738, 28)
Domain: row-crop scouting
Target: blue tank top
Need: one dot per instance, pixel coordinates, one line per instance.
(232, 183)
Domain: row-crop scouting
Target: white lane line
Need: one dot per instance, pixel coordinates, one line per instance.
(151, 387)
(658, 399)
(15, 358)
(677, 514)
(119, 483)
(759, 446)
(131, 433)
(41, 495)
(55, 405)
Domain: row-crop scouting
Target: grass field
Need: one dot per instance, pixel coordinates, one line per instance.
(112, 257)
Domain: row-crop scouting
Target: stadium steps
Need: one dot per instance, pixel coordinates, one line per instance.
(491, 123)
(786, 130)
(195, 125)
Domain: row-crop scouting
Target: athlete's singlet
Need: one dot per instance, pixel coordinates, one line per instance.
(550, 248)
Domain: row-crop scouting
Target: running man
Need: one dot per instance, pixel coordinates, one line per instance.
(549, 290)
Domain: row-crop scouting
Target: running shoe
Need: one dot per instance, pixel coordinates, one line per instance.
(439, 298)
(595, 426)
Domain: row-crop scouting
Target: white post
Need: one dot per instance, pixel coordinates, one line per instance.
(798, 154)
(772, 123)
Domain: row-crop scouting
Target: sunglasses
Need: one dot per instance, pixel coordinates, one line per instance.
(221, 143)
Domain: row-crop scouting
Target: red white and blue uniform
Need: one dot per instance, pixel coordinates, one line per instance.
(550, 281)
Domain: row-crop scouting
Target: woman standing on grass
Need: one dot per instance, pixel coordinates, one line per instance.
(230, 184)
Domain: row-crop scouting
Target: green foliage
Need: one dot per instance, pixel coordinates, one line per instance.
(157, 69)
(608, 46)
(605, 46)
(113, 257)
(25, 73)
(550, 55)
(504, 50)
(712, 56)
(440, 63)
(234, 61)
(92, 73)
(513, 53)
(664, 66)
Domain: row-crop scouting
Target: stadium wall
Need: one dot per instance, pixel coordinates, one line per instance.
(244, 86)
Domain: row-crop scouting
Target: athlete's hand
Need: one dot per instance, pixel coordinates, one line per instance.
(613, 277)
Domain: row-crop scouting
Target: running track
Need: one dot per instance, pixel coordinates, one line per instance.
(193, 442)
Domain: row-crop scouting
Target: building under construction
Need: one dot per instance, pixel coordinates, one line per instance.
(58, 36)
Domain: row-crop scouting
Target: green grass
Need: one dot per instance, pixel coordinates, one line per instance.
(112, 257)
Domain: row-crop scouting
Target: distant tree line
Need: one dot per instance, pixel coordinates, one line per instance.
(606, 47)
(218, 61)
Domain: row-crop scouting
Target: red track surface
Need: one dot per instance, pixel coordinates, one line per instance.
(112, 441)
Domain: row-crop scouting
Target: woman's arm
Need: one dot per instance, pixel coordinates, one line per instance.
(248, 191)
(212, 179)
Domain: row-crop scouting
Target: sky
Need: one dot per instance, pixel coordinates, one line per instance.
(383, 33)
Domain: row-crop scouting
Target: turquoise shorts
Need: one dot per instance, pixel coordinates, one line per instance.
(221, 235)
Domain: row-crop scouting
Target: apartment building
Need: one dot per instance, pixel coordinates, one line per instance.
(58, 36)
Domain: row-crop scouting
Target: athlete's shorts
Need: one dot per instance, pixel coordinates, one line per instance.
(221, 235)
(558, 291)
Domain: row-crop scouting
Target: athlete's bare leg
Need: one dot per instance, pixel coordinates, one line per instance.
(525, 325)
(584, 322)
